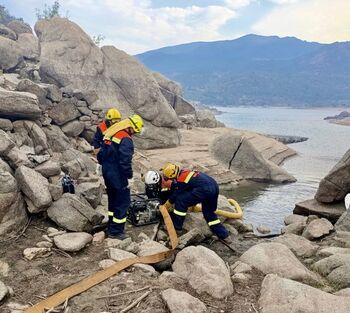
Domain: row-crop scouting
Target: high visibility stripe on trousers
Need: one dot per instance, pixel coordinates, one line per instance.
(179, 213)
(214, 222)
(117, 220)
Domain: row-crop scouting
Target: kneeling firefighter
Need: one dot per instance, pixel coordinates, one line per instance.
(113, 116)
(116, 160)
(189, 188)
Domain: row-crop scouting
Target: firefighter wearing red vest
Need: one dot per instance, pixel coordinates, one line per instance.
(189, 188)
(115, 157)
(112, 116)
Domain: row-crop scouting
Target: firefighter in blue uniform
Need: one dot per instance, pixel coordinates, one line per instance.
(188, 189)
(116, 160)
(112, 116)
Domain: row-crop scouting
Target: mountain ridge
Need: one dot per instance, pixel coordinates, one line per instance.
(258, 70)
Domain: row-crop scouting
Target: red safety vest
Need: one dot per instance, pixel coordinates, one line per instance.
(103, 127)
(186, 175)
(117, 137)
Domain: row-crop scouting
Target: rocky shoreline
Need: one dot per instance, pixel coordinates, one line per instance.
(50, 104)
(342, 118)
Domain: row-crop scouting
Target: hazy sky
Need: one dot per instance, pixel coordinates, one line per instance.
(140, 25)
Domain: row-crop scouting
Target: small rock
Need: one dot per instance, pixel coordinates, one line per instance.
(47, 238)
(311, 218)
(143, 236)
(181, 302)
(4, 268)
(106, 263)
(193, 237)
(51, 230)
(162, 236)
(170, 279)
(333, 250)
(317, 228)
(3, 290)
(148, 269)
(17, 307)
(99, 237)
(44, 244)
(241, 278)
(240, 267)
(133, 248)
(31, 253)
(150, 247)
(295, 228)
(59, 232)
(263, 229)
(72, 242)
(295, 218)
(116, 243)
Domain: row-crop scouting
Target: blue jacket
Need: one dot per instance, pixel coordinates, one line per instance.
(198, 183)
(115, 157)
(100, 130)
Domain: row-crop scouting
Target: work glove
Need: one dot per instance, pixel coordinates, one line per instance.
(168, 205)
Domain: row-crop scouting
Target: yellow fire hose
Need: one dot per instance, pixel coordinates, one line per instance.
(227, 214)
(94, 279)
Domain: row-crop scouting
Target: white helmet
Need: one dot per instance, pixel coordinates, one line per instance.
(152, 177)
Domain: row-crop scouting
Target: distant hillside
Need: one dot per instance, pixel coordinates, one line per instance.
(258, 70)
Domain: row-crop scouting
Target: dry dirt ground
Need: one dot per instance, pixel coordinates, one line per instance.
(34, 280)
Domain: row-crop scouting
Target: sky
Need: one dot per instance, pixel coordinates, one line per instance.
(137, 26)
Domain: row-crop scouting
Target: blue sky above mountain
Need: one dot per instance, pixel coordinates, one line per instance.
(140, 25)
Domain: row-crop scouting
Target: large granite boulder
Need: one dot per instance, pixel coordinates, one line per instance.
(276, 258)
(13, 215)
(56, 138)
(206, 118)
(330, 211)
(35, 132)
(29, 46)
(317, 229)
(336, 184)
(92, 192)
(204, 270)
(284, 295)
(336, 268)
(69, 58)
(31, 87)
(19, 27)
(65, 111)
(18, 105)
(7, 32)
(300, 246)
(74, 214)
(240, 155)
(10, 54)
(35, 187)
(343, 224)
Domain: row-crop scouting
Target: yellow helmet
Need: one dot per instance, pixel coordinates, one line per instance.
(113, 114)
(170, 170)
(136, 123)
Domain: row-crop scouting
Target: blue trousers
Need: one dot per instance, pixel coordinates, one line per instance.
(118, 205)
(208, 196)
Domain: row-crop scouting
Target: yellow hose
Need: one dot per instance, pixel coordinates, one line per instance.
(234, 215)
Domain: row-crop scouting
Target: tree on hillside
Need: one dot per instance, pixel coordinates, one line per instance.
(98, 39)
(5, 16)
(48, 11)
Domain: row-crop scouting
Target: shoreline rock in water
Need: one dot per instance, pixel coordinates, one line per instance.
(342, 118)
(287, 139)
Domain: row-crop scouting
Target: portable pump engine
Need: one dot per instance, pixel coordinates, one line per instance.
(144, 207)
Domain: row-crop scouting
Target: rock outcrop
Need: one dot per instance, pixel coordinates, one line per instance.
(70, 59)
(284, 295)
(330, 211)
(276, 258)
(336, 184)
(241, 155)
(18, 105)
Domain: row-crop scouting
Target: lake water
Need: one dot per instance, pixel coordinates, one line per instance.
(327, 143)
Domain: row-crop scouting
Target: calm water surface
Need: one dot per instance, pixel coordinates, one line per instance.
(327, 143)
